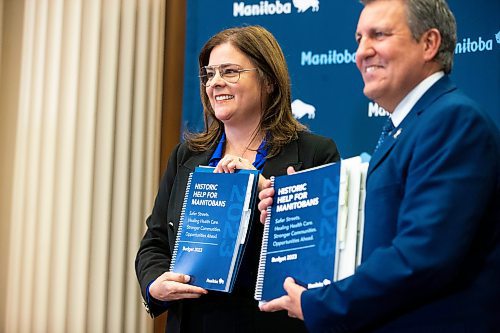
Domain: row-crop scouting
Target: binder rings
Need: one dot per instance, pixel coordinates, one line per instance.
(311, 232)
(213, 227)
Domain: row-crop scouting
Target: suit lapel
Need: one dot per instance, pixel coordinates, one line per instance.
(287, 157)
(198, 159)
(381, 152)
(441, 87)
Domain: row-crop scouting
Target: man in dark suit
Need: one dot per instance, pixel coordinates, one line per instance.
(431, 251)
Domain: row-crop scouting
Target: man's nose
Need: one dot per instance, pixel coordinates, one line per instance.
(365, 49)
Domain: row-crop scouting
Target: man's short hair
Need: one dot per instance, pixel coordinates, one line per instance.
(423, 15)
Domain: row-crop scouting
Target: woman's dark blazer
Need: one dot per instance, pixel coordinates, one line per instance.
(153, 257)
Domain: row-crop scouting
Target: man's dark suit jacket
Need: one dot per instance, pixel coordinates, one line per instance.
(218, 312)
(431, 252)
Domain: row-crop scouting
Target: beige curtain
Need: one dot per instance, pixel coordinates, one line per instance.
(85, 163)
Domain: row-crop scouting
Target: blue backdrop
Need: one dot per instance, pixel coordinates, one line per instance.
(317, 38)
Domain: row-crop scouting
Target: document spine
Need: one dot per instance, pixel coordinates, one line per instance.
(181, 220)
(361, 214)
(263, 253)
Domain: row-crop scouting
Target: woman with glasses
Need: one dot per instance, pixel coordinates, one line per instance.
(245, 92)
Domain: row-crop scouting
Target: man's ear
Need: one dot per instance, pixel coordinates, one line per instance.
(431, 40)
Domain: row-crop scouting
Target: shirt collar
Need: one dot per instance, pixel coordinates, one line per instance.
(260, 158)
(217, 155)
(404, 107)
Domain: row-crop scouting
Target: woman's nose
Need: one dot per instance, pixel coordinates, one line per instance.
(217, 80)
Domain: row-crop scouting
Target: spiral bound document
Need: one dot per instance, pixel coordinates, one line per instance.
(311, 229)
(213, 227)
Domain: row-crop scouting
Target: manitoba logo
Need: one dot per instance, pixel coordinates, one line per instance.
(276, 7)
(262, 8)
(375, 110)
(303, 5)
(300, 109)
(331, 57)
(215, 281)
(472, 45)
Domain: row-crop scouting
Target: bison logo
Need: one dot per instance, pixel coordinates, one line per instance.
(497, 36)
(303, 5)
(300, 109)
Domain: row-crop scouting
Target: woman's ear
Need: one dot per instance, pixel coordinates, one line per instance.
(269, 87)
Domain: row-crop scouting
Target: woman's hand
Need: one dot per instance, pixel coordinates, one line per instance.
(229, 163)
(172, 286)
(266, 194)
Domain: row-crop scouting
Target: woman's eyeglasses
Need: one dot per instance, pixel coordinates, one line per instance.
(228, 72)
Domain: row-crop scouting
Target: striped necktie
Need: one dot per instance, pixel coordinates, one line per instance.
(386, 130)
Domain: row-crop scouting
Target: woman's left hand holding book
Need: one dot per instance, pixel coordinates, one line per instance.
(172, 286)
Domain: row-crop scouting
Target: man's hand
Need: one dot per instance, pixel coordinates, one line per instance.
(289, 302)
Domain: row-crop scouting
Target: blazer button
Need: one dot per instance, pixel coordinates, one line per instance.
(171, 224)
